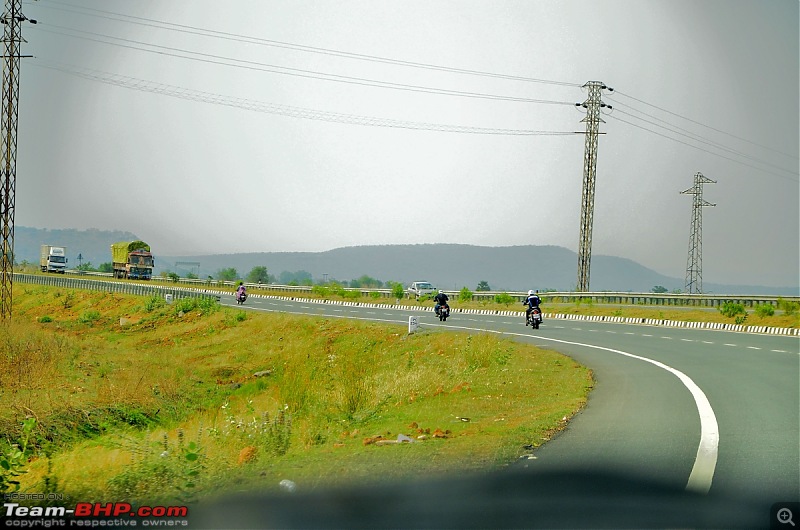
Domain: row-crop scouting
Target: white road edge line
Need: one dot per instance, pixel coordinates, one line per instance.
(705, 462)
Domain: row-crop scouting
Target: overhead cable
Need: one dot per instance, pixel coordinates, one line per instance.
(284, 70)
(701, 149)
(287, 45)
(283, 110)
(698, 138)
(706, 126)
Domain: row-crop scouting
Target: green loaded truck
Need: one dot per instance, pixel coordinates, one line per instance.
(132, 259)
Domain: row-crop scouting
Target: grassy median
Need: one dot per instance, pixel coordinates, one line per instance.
(129, 399)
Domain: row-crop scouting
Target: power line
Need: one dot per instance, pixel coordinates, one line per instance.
(707, 126)
(284, 110)
(300, 47)
(285, 70)
(696, 137)
(704, 150)
(215, 59)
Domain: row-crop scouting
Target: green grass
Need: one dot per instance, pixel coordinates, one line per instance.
(129, 385)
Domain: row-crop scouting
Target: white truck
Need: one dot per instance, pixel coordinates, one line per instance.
(54, 259)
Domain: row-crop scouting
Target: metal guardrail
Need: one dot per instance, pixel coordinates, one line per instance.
(68, 282)
(602, 297)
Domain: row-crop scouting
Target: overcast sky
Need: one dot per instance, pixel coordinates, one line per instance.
(281, 163)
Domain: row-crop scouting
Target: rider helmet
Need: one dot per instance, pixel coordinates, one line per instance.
(530, 292)
(440, 291)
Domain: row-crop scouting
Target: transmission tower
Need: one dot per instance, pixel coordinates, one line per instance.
(694, 266)
(593, 104)
(12, 39)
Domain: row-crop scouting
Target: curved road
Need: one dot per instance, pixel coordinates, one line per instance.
(669, 403)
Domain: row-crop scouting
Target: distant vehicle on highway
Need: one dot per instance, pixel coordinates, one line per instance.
(417, 289)
(54, 259)
(132, 259)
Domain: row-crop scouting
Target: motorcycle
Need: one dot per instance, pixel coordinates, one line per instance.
(443, 312)
(534, 318)
(241, 296)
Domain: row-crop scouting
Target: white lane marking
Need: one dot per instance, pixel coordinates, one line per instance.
(780, 351)
(646, 335)
(706, 460)
(668, 338)
(687, 340)
(630, 333)
(753, 348)
(706, 342)
(734, 345)
(614, 332)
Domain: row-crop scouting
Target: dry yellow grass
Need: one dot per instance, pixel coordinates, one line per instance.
(128, 389)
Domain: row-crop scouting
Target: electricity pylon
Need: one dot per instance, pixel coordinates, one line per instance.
(12, 39)
(694, 265)
(593, 104)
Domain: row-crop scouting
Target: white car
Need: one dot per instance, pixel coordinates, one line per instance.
(417, 289)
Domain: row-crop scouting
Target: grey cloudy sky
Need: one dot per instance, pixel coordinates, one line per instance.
(192, 177)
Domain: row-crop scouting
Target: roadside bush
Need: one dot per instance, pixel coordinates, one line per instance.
(321, 290)
(45, 319)
(731, 309)
(397, 290)
(765, 310)
(465, 295)
(89, 316)
(153, 303)
(185, 305)
(208, 305)
(789, 307)
(14, 458)
(504, 298)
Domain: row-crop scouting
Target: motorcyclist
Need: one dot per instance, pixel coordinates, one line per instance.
(441, 301)
(532, 301)
(241, 291)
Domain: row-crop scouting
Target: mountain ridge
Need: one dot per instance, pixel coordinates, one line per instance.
(450, 266)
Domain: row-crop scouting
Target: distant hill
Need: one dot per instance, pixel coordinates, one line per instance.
(449, 266)
(515, 268)
(93, 245)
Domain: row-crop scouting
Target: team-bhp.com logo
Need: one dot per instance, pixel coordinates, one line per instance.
(93, 514)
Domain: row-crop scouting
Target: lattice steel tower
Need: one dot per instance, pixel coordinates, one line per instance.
(593, 104)
(12, 39)
(694, 266)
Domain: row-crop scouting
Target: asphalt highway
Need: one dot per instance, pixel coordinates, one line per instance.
(685, 427)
